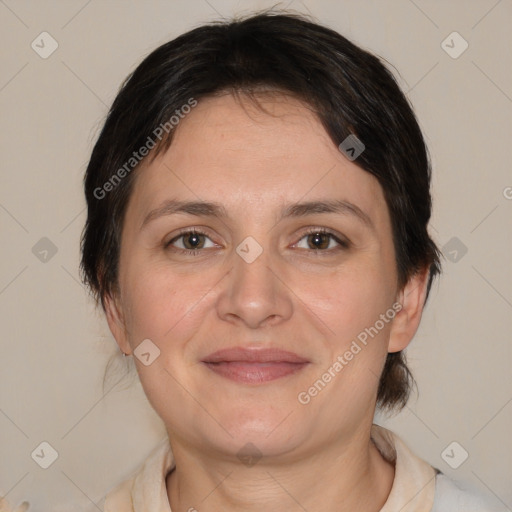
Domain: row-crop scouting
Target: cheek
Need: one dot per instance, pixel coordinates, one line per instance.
(163, 304)
(356, 305)
(350, 299)
(168, 309)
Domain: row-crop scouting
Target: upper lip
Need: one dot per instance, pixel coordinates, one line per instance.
(263, 355)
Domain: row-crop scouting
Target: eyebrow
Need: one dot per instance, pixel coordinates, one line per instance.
(217, 210)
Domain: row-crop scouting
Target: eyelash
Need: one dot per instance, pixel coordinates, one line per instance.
(343, 244)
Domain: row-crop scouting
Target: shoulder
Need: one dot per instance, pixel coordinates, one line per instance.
(451, 496)
(431, 488)
(120, 498)
(146, 489)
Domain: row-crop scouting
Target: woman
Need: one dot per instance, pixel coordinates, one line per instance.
(258, 202)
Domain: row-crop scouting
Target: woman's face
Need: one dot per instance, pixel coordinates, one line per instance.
(259, 190)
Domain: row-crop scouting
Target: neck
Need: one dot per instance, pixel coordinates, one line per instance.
(342, 477)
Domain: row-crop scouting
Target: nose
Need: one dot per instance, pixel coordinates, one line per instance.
(254, 293)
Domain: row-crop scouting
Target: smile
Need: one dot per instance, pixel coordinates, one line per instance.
(254, 372)
(255, 365)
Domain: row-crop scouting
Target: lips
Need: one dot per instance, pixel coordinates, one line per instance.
(239, 354)
(254, 366)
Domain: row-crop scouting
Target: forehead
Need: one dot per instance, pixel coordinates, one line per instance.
(268, 128)
(241, 153)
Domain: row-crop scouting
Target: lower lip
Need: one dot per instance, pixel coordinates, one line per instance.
(254, 373)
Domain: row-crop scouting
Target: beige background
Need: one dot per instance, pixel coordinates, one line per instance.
(54, 345)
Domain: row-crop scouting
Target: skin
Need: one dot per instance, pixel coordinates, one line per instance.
(313, 302)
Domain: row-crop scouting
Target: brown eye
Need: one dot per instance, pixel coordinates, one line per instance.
(319, 240)
(193, 241)
(190, 241)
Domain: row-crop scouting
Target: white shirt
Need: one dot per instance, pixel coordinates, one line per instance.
(417, 486)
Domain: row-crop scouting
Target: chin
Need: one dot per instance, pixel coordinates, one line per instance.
(267, 429)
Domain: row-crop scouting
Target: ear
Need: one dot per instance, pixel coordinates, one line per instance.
(116, 322)
(407, 320)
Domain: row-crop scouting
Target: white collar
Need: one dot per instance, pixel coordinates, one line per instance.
(412, 491)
